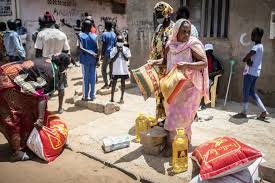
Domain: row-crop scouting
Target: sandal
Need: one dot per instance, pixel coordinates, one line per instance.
(21, 156)
(262, 117)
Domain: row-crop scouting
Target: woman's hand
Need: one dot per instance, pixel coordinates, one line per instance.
(182, 66)
(39, 123)
(155, 62)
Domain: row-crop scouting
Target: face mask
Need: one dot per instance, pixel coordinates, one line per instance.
(119, 44)
(160, 20)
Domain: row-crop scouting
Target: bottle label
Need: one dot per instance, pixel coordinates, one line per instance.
(182, 154)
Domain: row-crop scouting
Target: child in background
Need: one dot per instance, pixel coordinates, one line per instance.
(88, 60)
(108, 39)
(119, 56)
(251, 73)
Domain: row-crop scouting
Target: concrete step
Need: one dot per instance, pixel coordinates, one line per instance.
(99, 106)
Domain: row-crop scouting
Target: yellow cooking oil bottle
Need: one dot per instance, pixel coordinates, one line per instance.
(152, 121)
(180, 152)
(141, 125)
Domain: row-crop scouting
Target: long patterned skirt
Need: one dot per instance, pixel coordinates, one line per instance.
(18, 112)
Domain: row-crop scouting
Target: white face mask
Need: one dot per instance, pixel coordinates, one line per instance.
(160, 20)
(119, 44)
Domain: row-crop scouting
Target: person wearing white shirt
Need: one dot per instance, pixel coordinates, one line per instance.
(252, 71)
(49, 42)
(119, 56)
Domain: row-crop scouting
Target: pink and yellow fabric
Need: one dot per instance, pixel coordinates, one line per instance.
(182, 110)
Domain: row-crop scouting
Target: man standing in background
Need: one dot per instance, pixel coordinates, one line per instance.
(13, 43)
(51, 41)
(108, 39)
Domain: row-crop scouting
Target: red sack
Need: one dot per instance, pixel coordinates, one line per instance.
(223, 156)
(48, 142)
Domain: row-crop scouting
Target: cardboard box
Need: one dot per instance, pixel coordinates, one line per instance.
(153, 137)
(153, 150)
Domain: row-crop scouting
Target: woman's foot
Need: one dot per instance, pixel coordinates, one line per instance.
(240, 116)
(21, 156)
(262, 116)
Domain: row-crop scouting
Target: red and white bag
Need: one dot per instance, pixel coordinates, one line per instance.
(223, 156)
(48, 142)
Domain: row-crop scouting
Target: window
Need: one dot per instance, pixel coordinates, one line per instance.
(214, 18)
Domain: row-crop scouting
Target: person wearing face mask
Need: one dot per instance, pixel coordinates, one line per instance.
(187, 54)
(119, 56)
(163, 12)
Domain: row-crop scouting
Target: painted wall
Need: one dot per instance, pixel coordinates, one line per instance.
(13, 11)
(242, 19)
(141, 28)
(32, 9)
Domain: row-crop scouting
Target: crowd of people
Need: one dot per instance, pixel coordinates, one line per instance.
(173, 44)
(34, 81)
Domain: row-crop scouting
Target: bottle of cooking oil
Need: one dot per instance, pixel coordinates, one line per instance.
(152, 121)
(141, 125)
(180, 152)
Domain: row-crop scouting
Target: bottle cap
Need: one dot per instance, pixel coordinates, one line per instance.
(140, 114)
(180, 131)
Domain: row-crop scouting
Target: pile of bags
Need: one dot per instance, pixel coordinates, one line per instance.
(226, 159)
(48, 142)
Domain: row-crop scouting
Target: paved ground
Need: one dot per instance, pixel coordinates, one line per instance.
(88, 128)
(69, 167)
(88, 138)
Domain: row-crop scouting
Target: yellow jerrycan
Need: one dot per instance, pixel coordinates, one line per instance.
(180, 152)
(141, 125)
(152, 121)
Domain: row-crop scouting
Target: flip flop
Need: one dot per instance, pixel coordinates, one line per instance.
(21, 156)
(261, 118)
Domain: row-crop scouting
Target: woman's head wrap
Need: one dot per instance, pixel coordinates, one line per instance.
(176, 28)
(165, 8)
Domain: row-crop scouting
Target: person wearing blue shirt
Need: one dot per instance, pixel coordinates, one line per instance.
(109, 41)
(13, 43)
(21, 31)
(88, 60)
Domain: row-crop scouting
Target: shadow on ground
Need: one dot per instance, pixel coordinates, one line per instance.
(75, 109)
(157, 165)
(5, 155)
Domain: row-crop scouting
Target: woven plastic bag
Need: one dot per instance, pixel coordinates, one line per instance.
(223, 156)
(147, 80)
(172, 84)
(48, 142)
